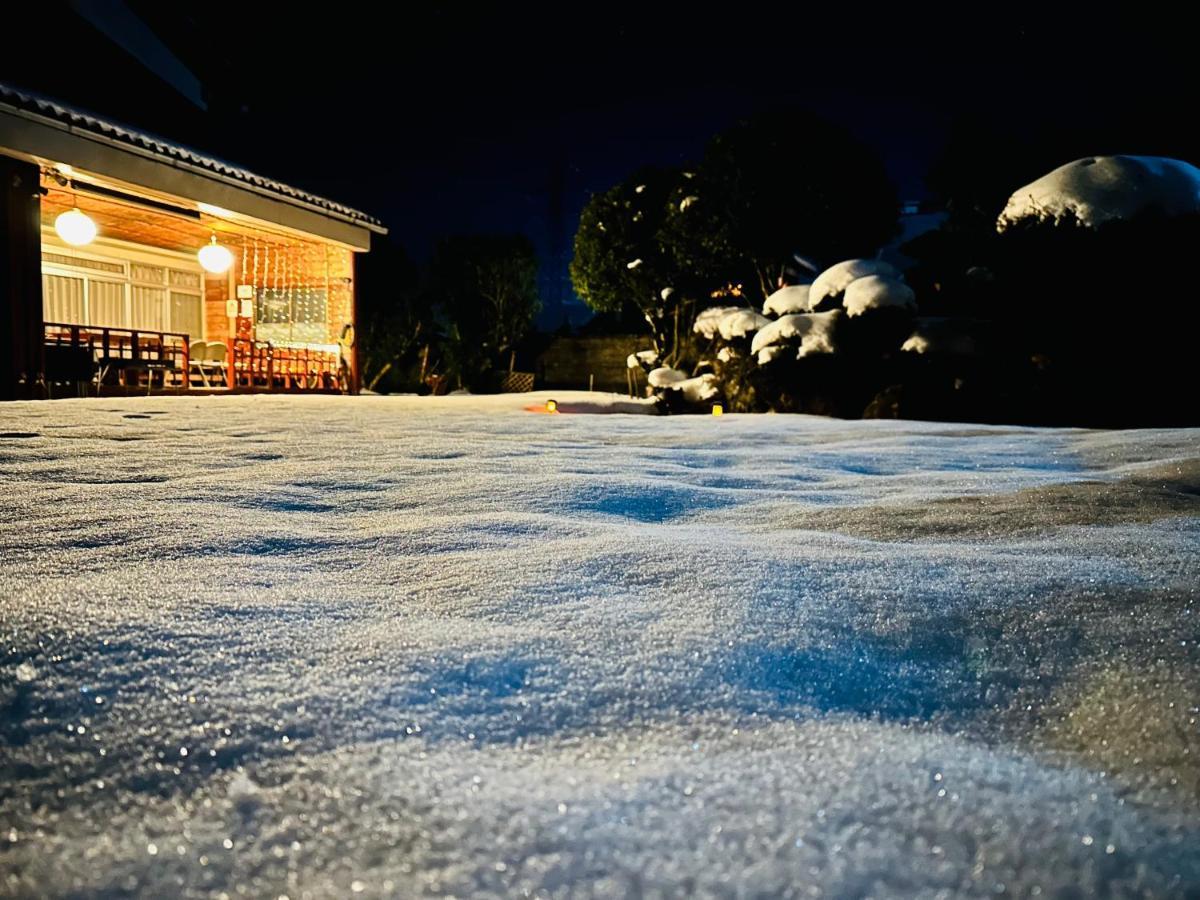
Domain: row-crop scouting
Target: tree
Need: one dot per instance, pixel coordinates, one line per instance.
(774, 186)
(486, 286)
(394, 318)
(623, 257)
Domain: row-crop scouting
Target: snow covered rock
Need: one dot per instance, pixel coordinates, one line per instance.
(788, 300)
(833, 281)
(1100, 189)
(709, 320)
(665, 377)
(741, 323)
(813, 331)
(877, 292)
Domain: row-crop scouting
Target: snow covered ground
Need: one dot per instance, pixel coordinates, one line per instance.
(308, 647)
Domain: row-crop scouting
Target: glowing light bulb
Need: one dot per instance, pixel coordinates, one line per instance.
(718, 409)
(215, 258)
(75, 228)
(551, 406)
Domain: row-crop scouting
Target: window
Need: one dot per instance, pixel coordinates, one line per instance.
(62, 299)
(122, 293)
(148, 311)
(106, 303)
(187, 313)
(301, 317)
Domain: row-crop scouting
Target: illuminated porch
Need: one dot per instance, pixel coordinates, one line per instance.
(137, 301)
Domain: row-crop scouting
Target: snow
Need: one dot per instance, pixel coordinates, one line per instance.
(770, 354)
(935, 334)
(421, 646)
(633, 264)
(788, 300)
(834, 280)
(877, 292)
(1100, 189)
(687, 201)
(699, 389)
(815, 331)
(665, 377)
(642, 357)
(708, 322)
(741, 323)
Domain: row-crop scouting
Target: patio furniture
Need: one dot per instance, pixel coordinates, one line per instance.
(208, 358)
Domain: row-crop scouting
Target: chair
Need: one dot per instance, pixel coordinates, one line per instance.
(198, 359)
(216, 359)
(207, 357)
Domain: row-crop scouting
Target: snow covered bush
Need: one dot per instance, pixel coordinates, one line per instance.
(1101, 189)
(792, 298)
(1101, 250)
(815, 347)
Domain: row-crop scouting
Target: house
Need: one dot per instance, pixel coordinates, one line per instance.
(131, 263)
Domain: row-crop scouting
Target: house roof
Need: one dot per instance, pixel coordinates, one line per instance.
(78, 121)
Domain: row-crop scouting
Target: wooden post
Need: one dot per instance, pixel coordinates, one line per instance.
(354, 385)
(22, 336)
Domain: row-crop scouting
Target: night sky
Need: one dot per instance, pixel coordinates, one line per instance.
(456, 119)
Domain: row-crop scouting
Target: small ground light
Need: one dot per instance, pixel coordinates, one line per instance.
(718, 409)
(551, 406)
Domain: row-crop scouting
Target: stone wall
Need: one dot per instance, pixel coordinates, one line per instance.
(568, 361)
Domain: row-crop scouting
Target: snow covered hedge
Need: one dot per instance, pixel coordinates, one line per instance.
(1099, 189)
(819, 347)
(1073, 306)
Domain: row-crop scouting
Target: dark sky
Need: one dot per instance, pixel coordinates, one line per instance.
(458, 118)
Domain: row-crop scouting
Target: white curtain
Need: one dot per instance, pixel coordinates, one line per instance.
(149, 309)
(187, 314)
(62, 299)
(106, 303)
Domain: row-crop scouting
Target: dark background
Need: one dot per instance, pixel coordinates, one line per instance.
(458, 118)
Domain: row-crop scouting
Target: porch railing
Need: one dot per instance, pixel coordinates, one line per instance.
(264, 366)
(83, 353)
(128, 354)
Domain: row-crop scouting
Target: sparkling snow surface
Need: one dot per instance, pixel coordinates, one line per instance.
(264, 647)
